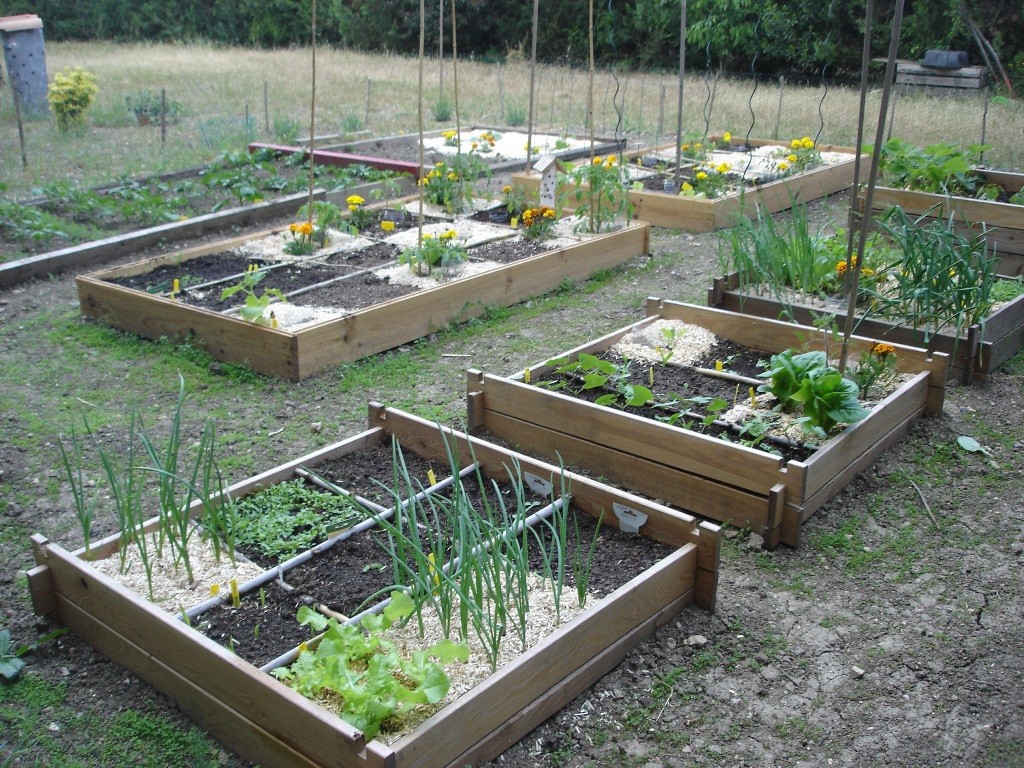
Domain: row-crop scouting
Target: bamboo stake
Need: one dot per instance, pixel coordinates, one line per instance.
(865, 62)
(455, 85)
(312, 117)
(590, 104)
(419, 117)
(677, 176)
(778, 109)
(533, 83)
(869, 195)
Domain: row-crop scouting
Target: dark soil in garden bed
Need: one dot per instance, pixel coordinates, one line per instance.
(344, 576)
(359, 291)
(676, 382)
(368, 472)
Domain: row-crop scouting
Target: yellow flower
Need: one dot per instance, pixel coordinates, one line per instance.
(882, 349)
(293, 227)
(472, 145)
(867, 272)
(598, 160)
(783, 166)
(427, 236)
(727, 137)
(701, 176)
(549, 213)
(685, 147)
(723, 168)
(215, 589)
(807, 142)
(609, 161)
(451, 233)
(796, 144)
(506, 189)
(687, 187)
(792, 158)
(353, 208)
(698, 146)
(452, 176)
(387, 226)
(354, 200)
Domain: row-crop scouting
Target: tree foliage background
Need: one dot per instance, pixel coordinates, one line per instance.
(767, 37)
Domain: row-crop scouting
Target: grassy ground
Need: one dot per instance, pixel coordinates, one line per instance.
(218, 88)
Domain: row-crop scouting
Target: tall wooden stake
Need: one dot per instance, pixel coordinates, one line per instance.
(419, 118)
(677, 180)
(533, 84)
(869, 194)
(312, 116)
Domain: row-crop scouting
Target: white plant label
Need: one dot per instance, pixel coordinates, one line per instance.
(537, 484)
(630, 519)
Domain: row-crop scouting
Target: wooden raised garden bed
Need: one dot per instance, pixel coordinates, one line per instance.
(702, 215)
(1003, 223)
(265, 721)
(983, 348)
(724, 481)
(89, 254)
(507, 155)
(309, 350)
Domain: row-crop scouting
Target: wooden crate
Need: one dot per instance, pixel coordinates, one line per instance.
(696, 215)
(1003, 223)
(983, 347)
(724, 481)
(308, 351)
(89, 254)
(937, 80)
(263, 720)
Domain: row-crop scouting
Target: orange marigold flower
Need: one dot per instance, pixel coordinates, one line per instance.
(882, 349)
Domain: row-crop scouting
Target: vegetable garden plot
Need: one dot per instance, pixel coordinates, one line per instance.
(1001, 222)
(324, 332)
(251, 213)
(726, 481)
(982, 348)
(264, 720)
(747, 181)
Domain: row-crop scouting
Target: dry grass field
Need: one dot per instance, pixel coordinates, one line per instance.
(377, 94)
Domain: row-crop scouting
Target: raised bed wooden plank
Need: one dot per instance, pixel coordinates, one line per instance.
(983, 347)
(263, 720)
(303, 353)
(1002, 223)
(700, 215)
(662, 461)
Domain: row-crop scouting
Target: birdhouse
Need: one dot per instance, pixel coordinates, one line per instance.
(547, 167)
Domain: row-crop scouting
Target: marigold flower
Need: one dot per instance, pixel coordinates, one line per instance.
(452, 176)
(450, 234)
(685, 147)
(698, 146)
(293, 227)
(472, 145)
(598, 160)
(808, 142)
(723, 168)
(353, 208)
(882, 349)
(727, 137)
(796, 144)
(427, 236)
(792, 158)
(783, 166)
(506, 189)
(387, 226)
(354, 200)
(701, 176)
(549, 213)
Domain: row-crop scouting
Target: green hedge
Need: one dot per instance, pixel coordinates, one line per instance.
(739, 36)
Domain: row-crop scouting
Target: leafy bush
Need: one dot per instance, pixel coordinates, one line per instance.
(70, 95)
(147, 106)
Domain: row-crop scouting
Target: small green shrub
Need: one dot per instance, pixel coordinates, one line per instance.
(70, 95)
(516, 116)
(147, 105)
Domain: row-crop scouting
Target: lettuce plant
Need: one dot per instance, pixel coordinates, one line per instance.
(806, 381)
(363, 668)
